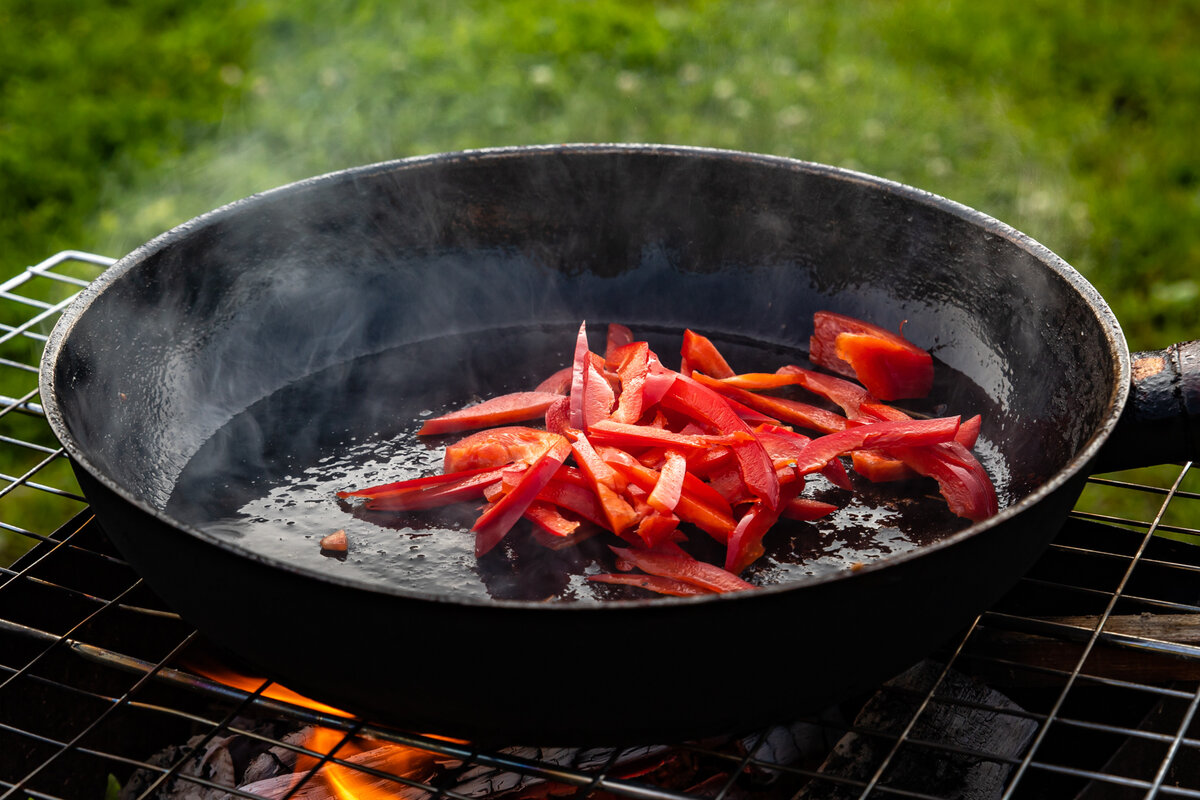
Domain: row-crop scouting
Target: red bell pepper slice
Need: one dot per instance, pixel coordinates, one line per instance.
(625, 436)
(698, 402)
(658, 382)
(598, 396)
(879, 468)
(633, 370)
(843, 393)
(786, 446)
(459, 487)
(782, 409)
(699, 504)
(656, 528)
(496, 447)
(558, 415)
(962, 480)
(699, 353)
(968, 431)
(605, 481)
(677, 564)
(413, 484)
(499, 517)
(887, 364)
(579, 376)
(617, 337)
(548, 518)
(669, 486)
(873, 436)
(558, 383)
(501, 410)
(579, 500)
(745, 543)
(653, 583)
(807, 509)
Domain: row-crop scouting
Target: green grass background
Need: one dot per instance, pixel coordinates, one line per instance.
(1073, 121)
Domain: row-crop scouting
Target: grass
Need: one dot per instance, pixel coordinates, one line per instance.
(1072, 121)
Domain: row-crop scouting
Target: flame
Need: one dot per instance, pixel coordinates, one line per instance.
(248, 683)
(343, 780)
(346, 781)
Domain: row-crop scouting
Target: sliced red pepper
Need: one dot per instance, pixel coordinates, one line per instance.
(606, 482)
(782, 409)
(878, 468)
(667, 490)
(502, 410)
(843, 393)
(968, 432)
(633, 371)
(806, 509)
(876, 435)
(625, 436)
(785, 445)
(697, 401)
(745, 543)
(499, 517)
(680, 566)
(458, 488)
(658, 381)
(413, 484)
(699, 504)
(962, 480)
(579, 376)
(558, 383)
(548, 518)
(759, 381)
(579, 500)
(699, 353)
(496, 447)
(728, 483)
(618, 336)
(887, 364)
(656, 528)
(653, 583)
(870, 409)
(598, 397)
(558, 415)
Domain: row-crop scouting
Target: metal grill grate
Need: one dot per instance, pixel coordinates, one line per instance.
(1083, 682)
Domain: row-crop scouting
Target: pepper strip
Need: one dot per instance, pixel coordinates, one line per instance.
(701, 403)
(500, 410)
(680, 566)
(499, 517)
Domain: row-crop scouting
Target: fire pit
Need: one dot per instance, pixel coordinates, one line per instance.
(1082, 682)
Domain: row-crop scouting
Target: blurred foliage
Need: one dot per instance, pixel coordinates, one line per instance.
(1073, 121)
(95, 92)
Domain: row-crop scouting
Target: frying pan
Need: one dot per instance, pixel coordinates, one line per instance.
(205, 386)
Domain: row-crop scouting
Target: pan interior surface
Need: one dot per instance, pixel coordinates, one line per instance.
(267, 481)
(220, 372)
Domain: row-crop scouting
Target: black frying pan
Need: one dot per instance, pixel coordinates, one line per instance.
(216, 386)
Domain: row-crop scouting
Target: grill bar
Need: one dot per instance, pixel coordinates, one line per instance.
(96, 676)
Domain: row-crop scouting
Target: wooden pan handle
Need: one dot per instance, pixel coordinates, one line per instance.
(1161, 420)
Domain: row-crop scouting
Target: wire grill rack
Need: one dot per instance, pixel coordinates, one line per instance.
(1083, 682)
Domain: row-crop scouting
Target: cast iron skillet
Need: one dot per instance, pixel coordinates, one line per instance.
(211, 381)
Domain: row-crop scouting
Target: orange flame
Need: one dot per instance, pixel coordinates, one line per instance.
(343, 780)
(346, 781)
(247, 683)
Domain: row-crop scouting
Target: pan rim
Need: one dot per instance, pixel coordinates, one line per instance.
(1085, 455)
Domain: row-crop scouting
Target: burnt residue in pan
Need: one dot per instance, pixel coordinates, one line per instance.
(267, 480)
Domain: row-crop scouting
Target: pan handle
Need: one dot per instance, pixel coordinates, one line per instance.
(1161, 421)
